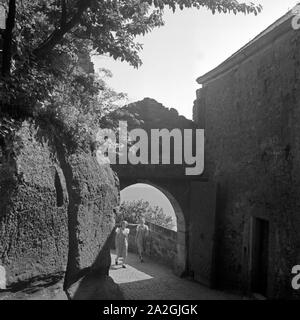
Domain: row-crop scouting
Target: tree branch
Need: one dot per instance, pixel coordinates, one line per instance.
(58, 34)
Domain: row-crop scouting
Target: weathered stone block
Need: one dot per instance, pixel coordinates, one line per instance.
(33, 225)
(55, 212)
(93, 194)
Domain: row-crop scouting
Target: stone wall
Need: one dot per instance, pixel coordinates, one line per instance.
(33, 208)
(93, 194)
(56, 209)
(251, 114)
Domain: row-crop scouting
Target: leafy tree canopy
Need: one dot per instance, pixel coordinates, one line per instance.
(132, 211)
(45, 32)
(109, 26)
(44, 40)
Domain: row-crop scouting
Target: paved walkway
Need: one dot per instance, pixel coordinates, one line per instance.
(139, 281)
(149, 280)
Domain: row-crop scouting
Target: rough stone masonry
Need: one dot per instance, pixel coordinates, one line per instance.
(250, 109)
(55, 211)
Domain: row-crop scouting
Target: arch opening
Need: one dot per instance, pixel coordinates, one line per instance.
(159, 196)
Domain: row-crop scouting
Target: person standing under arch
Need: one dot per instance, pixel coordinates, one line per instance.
(121, 239)
(142, 232)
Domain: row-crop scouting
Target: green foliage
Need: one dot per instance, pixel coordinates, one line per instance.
(81, 103)
(132, 211)
(47, 31)
(110, 27)
(49, 38)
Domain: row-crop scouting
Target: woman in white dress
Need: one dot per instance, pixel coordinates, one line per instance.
(122, 243)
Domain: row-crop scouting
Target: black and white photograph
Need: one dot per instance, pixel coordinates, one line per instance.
(149, 151)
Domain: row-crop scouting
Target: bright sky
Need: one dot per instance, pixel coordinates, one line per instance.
(148, 193)
(191, 43)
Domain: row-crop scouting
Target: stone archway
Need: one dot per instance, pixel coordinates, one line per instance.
(192, 197)
(180, 262)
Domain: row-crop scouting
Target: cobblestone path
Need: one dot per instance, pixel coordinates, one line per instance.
(149, 280)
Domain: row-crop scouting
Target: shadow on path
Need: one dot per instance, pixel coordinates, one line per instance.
(149, 280)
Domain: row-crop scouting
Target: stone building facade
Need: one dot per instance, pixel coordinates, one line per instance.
(249, 107)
